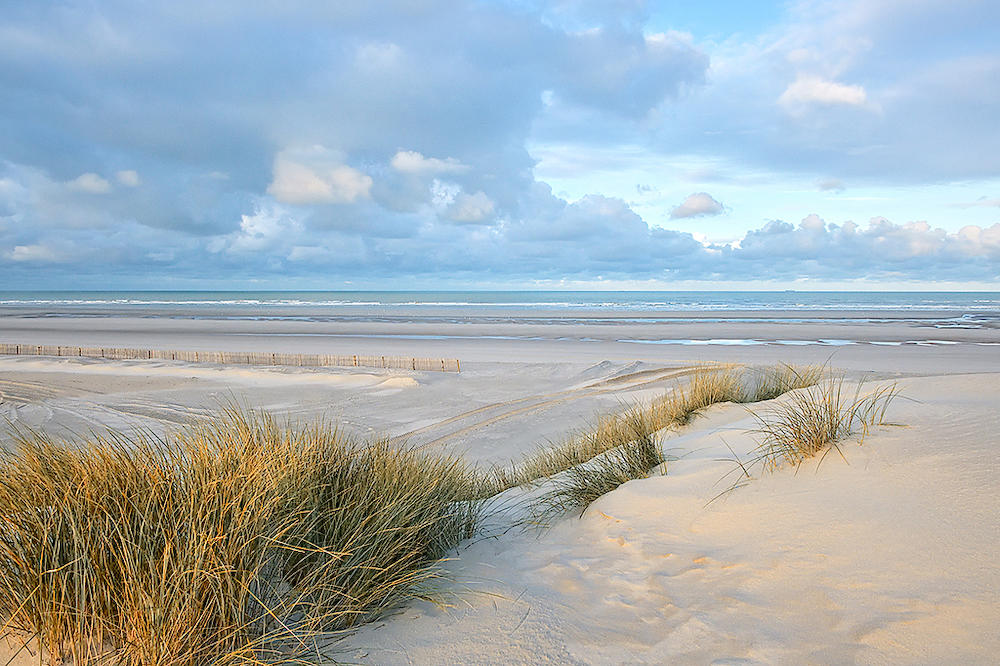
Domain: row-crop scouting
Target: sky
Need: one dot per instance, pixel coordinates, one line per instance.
(450, 144)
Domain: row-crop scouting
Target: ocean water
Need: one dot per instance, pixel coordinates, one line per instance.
(313, 303)
(929, 314)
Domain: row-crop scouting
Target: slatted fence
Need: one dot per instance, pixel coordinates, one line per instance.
(238, 358)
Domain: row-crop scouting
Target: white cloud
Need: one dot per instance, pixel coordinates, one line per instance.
(90, 183)
(916, 250)
(470, 208)
(37, 253)
(412, 162)
(831, 184)
(309, 253)
(816, 90)
(316, 176)
(266, 230)
(128, 178)
(697, 205)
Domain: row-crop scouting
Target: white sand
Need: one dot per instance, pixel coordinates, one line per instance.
(887, 559)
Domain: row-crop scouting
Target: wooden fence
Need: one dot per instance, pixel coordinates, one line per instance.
(238, 358)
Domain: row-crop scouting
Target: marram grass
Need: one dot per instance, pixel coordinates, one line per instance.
(633, 453)
(238, 542)
(246, 542)
(811, 421)
(705, 387)
(625, 446)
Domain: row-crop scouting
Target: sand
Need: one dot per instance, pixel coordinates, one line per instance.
(884, 556)
(887, 557)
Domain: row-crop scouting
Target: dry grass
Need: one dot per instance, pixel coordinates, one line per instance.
(707, 386)
(622, 446)
(631, 455)
(235, 543)
(772, 381)
(246, 542)
(813, 420)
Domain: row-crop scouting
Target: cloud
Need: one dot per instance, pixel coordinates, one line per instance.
(267, 228)
(409, 161)
(315, 176)
(625, 72)
(471, 208)
(831, 185)
(128, 178)
(982, 202)
(90, 183)
(927, 114)
(368, 140)
(815, 90)
(914, 250)
(33, 253)
(344, 113)
(698, 204)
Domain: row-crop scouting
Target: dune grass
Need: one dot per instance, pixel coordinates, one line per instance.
(635, 453)
(622, 446)
(243, 541)
(772, 381)
(813, 420)
(236, 542)
(635, 424)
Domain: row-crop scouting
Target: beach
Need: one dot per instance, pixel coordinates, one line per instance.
(883, 554)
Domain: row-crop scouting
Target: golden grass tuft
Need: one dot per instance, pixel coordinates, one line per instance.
(246, 542)
(814, 419)
(237, 542)
(622, 445)
(706, 386)
(631, 454)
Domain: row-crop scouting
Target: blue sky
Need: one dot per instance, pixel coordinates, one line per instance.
(452, 144)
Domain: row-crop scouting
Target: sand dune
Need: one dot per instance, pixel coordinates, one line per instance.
(886, 557)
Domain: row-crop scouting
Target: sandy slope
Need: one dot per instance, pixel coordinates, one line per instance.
(887, 559)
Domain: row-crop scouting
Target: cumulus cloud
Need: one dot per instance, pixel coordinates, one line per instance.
(815, 90)
(626, 72)
(315, 176)
(410, 161)
(267, 228)
(369, 140)
(452, 203)
(90, 183)
(913, 250)
(128, 178)
(471, 208)
(697, 205)
(33, 253)
(905, 131)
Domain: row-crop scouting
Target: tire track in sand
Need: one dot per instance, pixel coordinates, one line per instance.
(612, 385)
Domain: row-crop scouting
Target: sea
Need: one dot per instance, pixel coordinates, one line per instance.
(927, 311)
(311, 304)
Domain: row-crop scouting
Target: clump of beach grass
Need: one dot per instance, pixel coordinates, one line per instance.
(772, 381)
(632, 453)
(706, 386)
(814, 419)
(237, 542)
